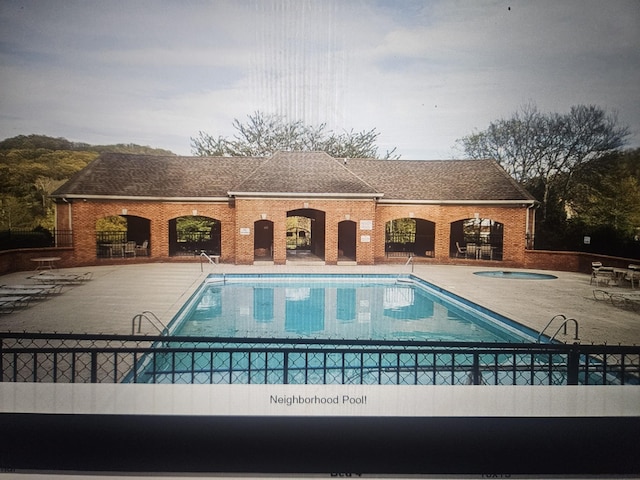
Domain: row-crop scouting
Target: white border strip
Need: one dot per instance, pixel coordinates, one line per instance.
(321, 400)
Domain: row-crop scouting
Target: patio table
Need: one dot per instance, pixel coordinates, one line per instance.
(45, 262)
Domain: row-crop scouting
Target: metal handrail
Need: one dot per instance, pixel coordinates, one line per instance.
(152, 319)
(563, 325)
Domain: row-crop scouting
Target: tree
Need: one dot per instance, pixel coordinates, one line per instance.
(32, 166)
(605, 202)
(548, 149)
(263, 135)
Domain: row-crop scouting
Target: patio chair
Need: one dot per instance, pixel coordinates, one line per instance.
(472, 251)
(129, 249)
(143, 249)
(486, 252)
(633, 275)
(460, 251)
(601, 275)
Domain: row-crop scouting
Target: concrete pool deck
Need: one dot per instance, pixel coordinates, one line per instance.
(108, 302)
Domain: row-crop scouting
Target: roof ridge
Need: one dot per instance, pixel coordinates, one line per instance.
(236, 188)
(344, 164)
(502, 170)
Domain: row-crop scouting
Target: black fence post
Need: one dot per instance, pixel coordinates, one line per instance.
(285, 371)
(573, 365)
(477, 377)
(94, 367)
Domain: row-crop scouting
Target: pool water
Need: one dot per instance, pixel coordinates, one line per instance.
(371, 307)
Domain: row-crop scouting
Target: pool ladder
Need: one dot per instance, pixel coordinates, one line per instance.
(152, 319)
(410, 261)
(563, 326)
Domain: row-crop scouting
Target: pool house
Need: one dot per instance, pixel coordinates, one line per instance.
(293, 205)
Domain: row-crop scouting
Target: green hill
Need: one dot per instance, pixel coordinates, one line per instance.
(33, 166)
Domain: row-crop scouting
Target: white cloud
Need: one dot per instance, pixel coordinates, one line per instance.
(422, 73)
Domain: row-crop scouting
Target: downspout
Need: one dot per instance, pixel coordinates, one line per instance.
(530, 225)
(70, 226)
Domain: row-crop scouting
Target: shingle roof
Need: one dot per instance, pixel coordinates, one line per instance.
(152, 176)
(127, 175)
(439, 180)
(303, 172)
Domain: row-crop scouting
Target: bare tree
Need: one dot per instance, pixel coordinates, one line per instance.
(548, 148)
(263, 135)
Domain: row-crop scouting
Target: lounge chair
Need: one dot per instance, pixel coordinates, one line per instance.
(45, 289)
(619, 299)
(9, 303)
(61, 278)
(601, 275)
(460, 251)
(27, 292)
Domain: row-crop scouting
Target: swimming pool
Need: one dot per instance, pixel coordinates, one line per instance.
(352, 329)
(371, 307)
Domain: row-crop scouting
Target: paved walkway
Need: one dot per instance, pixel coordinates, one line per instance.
(108, 302)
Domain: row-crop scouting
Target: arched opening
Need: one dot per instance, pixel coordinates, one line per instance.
(263, 240)
(193, 234)
(122, 236)
(477, 239)
(305, 233)
(410, 237)
(347, 240)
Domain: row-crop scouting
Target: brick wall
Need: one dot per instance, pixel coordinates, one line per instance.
(513, 219)
(249, 211)
(571, 261)
(238, 225)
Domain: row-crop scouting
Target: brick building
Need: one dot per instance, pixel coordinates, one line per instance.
(295, 204)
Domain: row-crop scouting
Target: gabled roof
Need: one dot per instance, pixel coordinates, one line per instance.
(300, 174)
(439, 180)
(303, 173)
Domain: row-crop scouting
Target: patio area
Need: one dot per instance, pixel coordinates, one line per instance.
(108, 302)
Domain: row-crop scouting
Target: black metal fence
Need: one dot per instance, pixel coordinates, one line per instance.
(35, 238)
(70, 358)
(110, 243)
(193, 243)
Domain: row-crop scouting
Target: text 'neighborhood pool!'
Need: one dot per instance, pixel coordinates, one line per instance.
(354, 307)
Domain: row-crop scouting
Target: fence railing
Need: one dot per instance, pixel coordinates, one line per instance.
(35, 238)
(75, 358)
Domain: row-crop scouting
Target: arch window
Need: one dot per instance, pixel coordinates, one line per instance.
(477, 239)
(410, 237)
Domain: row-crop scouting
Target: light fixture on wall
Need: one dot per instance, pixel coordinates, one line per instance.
(124, 211)
(194, 213)
(263, 216)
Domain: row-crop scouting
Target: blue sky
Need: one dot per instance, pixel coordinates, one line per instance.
(423, 73)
